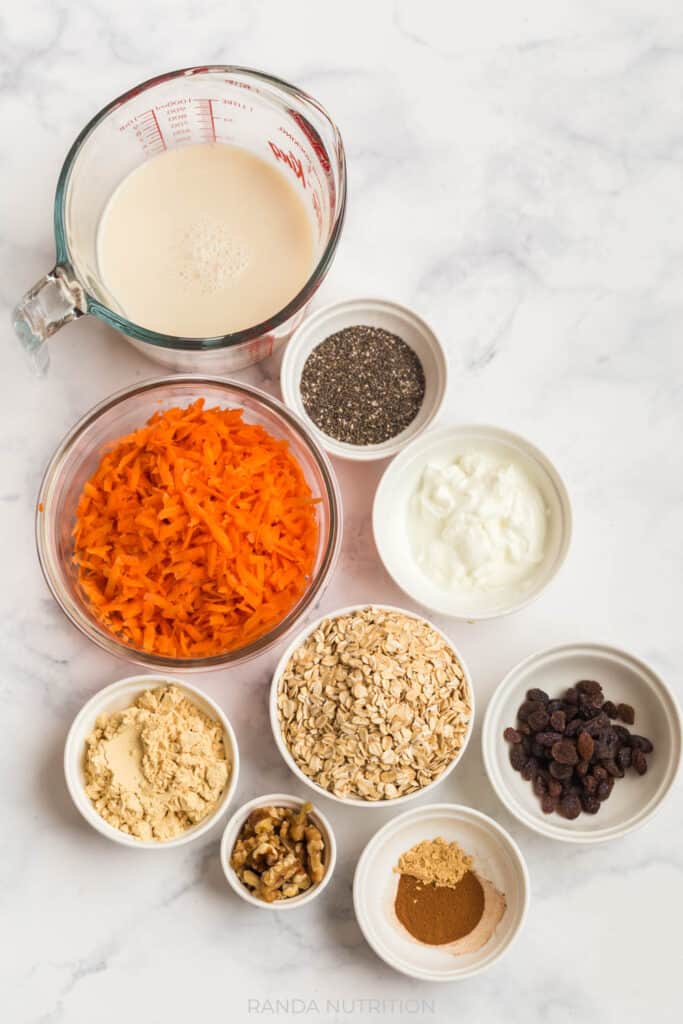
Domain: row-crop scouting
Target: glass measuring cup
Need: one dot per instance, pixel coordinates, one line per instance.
(224, 104)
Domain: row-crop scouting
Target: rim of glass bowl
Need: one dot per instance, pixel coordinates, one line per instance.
(295, 304)
(49, 558)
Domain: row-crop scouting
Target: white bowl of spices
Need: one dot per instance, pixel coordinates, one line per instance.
(278, 852)
(151, 762)
(367, 376)
(472, 521)
(441, 892)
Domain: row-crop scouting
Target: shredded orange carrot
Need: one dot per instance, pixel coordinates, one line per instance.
(196, 534)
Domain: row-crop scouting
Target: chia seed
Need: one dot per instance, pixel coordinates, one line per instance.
(362, 385)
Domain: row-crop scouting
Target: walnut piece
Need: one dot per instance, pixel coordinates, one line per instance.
(279, 852)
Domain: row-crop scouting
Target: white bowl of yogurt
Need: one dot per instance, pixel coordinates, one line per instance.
(472, 521)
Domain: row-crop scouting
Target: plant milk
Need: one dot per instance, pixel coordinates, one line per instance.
(204, 240)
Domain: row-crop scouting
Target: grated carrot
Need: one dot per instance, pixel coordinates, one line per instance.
(196, 534)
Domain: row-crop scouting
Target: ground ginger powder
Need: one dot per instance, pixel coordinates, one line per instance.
(158, 767)
(435, 861)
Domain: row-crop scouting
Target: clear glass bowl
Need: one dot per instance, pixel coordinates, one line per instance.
(78, 455)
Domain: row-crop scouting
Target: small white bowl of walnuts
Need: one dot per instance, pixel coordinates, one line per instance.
(278, 852)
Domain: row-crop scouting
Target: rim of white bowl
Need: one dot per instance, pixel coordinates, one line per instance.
(231, 832)
(284, 750)
(464, 812)
(543, 826)
(503, 436)
(73, 755)
(309, 335)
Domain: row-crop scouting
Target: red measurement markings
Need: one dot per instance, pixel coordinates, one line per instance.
(179, 125)
(162, 140)
(290, 160)
(148, 132)
(205, 118)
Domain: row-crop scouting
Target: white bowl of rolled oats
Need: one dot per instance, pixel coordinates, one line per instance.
(278, 852)
(371, 705)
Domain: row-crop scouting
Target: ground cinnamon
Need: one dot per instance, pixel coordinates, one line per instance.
(436, 914)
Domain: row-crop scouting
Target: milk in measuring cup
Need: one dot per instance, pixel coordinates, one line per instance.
(204, 240)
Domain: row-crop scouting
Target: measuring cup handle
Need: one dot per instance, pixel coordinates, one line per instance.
(52, 302)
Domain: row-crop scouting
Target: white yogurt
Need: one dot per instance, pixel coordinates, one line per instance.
(477, 523)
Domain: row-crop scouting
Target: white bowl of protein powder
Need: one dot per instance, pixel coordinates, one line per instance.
(472, 521)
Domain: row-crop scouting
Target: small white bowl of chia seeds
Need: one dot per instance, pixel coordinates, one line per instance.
(366, 375)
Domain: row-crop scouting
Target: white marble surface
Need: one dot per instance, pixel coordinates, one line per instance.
(515, 176)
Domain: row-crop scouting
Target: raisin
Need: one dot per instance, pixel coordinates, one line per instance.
(574, 726)
(596, 725)
(546, 739)
(612, 747)
(600, 773)
(558, 721)
(639, 762)
(538, 720)
(569, 806)
(590, 783)
(582, 768)
(615, 769)
(528, 708)
(604, 788)
(530, 769)
(610, 708)
(588, 686)
(512, 736)
(540, 785)
(548, 803)
(641, 743)
(538, 695)
(554, 705)
(624, 757)
(606, 749)
(523, 728)
(591, 702)
(561, 771)
(554, 787)
(626, 713)
(571, 696)
(585, 745)
(517, 757)
(590, 803)
(622, 733)
(564, 751)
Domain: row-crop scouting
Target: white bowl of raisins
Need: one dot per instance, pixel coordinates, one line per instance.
(582, 742)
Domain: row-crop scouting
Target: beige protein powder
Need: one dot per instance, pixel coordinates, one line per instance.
(158, 767)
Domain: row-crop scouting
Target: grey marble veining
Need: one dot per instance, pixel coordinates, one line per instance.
(515, 176)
